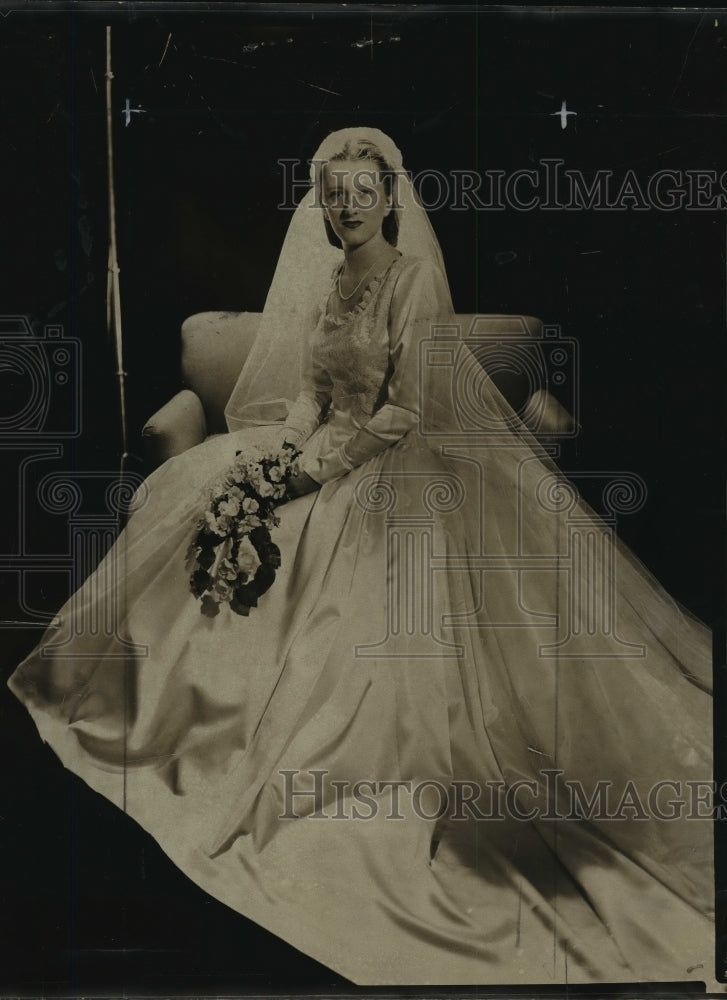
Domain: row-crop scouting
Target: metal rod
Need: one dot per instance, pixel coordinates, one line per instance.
(113, 304)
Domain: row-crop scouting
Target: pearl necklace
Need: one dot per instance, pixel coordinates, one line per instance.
(345, 298)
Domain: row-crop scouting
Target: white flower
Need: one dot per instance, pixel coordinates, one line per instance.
(210, 521)
(230, 507)
(265, 489)
(249, 505)
(247, 557)
(226, 570)
(224, 524)
(222, 591)
(275, 474)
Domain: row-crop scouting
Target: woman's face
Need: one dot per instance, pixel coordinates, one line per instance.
(355, 201)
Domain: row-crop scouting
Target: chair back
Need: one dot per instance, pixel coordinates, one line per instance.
(215, 346)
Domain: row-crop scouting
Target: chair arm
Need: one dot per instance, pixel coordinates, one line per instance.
(178, 425)
(544, 415)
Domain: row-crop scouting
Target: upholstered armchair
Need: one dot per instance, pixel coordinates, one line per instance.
(216, 344)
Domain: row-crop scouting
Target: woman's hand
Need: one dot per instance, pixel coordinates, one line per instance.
(301, 483)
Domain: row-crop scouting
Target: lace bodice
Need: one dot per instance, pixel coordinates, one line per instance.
(353, 348)
(361, 369)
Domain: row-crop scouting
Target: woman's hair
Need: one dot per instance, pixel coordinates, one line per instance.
(364, 149)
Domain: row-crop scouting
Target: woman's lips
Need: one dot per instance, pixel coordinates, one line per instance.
(352, 225)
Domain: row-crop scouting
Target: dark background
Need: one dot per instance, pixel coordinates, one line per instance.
(91, 904)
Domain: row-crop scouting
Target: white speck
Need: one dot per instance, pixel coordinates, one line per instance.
(563, 114)
(128, 111)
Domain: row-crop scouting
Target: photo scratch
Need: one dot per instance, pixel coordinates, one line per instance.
(686, 56)
(317, 86)
(164, 53)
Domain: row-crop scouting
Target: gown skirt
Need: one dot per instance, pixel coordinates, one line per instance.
(415, 761)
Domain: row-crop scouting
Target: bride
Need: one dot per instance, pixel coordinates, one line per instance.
(465, 738)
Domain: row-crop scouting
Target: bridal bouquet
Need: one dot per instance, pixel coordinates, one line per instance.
(233, 557)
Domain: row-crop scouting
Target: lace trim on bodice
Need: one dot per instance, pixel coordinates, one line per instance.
(368, 295)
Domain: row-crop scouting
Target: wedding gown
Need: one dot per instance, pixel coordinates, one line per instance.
(386, 653)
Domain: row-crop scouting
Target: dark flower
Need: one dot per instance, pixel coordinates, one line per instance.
(272, 555)
(200, 581)
(206, 558)
(247, 595)
(264, 578)
(238, 608)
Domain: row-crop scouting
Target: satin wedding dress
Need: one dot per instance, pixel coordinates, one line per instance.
(422, 640)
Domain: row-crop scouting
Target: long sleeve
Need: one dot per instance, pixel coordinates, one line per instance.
(305, 413)
(420, 298)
